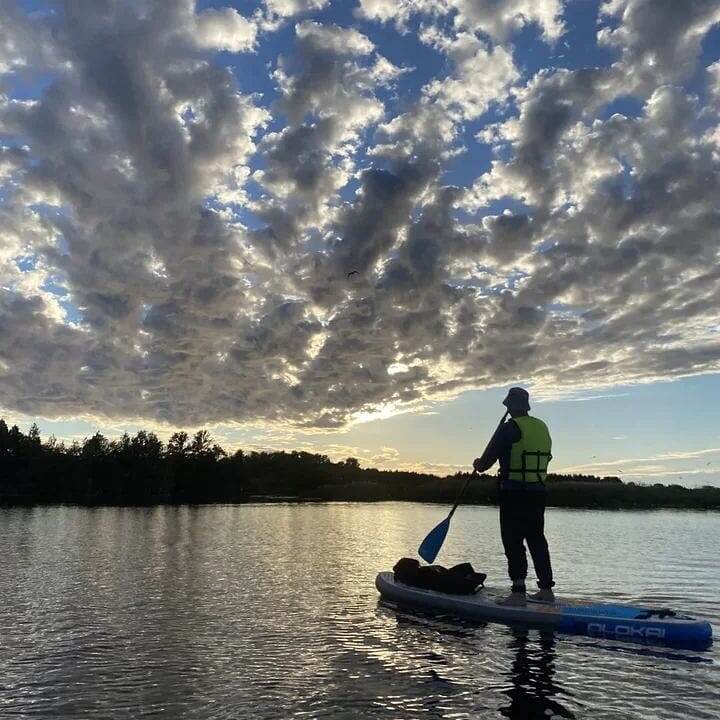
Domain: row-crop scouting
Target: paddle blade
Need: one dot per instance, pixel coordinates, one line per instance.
(430, 546)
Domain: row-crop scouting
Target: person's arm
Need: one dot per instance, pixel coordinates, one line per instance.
(500, 442)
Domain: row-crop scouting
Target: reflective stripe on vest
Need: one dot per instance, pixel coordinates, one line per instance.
(530, 455)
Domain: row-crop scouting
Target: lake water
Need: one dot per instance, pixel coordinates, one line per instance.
(269, 611)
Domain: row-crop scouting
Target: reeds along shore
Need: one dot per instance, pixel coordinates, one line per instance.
(142, 470)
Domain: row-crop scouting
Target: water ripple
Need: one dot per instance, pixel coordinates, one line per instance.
(270, 612)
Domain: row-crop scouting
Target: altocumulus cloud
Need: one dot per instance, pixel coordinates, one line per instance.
(176, 250)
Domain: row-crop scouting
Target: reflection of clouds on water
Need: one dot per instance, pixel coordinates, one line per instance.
(532, 674)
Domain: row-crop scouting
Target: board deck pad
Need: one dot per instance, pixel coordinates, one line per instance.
(629, 622)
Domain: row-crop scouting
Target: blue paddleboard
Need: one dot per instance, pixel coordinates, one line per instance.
(660, 627)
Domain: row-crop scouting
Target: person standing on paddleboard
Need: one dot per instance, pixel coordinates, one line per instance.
(522, 447)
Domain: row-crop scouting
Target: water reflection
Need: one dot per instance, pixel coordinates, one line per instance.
(271, 612)
(533, 688)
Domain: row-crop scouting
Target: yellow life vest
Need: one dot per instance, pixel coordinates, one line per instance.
(530, 455)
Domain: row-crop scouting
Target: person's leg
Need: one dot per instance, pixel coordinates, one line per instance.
(512, 532)
(537, 543)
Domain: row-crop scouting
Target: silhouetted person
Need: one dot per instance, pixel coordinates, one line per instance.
(522, 447)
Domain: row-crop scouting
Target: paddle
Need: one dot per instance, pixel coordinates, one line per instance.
(430, 546)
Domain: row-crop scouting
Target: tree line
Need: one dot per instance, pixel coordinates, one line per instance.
(142, 470)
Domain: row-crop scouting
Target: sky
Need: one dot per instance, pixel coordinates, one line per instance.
(349, 227)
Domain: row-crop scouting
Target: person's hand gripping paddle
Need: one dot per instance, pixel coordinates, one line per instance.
(430, 546)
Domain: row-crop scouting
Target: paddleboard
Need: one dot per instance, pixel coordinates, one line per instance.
(625, 622)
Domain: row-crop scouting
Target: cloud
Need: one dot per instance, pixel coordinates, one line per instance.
(688, 465)
(582, 398)
(324, 77)
(125, 144)
(551, 104)
(26, 44)
(650, 53)
(714, 80)
(225, 29)
(333, 39)
(385, 457)
(287, 8)
(328, 92)
(481, 75)
(498, 20)
(178, 251)
(399, 11)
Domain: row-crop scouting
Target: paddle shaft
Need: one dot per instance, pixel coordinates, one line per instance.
(474, 472)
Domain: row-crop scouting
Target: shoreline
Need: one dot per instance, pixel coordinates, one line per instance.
(287, 500)
(142, 471)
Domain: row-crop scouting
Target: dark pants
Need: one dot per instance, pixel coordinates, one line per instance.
(522, 520)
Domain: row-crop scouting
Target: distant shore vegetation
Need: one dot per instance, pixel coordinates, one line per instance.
(142, 470)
